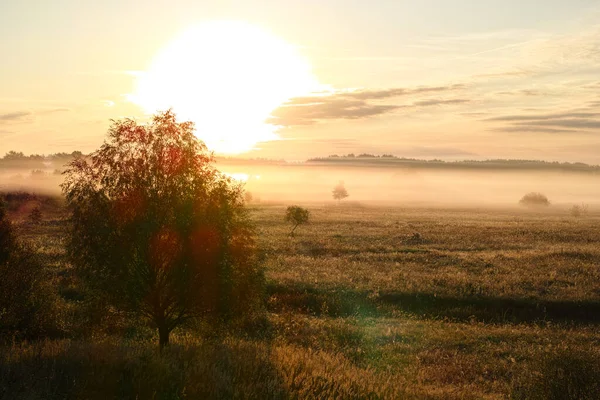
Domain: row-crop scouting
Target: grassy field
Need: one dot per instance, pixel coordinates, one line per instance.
(364, 302)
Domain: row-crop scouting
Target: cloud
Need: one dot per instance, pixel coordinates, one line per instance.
(507, 74)
(581, 123)
(28, 115)
(558, 122)
(544, 117)
(594, 104)
(310, 113)
(15, 116)
(439, 102)
(52, 110)
(532, 129)
(354, 104)
(521, 92)
(396, 92)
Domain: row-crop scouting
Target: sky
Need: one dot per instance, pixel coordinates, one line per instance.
(429, 79)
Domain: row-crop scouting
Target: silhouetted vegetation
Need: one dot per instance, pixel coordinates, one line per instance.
(339, 192)
(579, 210)
(26, 307)
(534, 199)
(157, 231)
(389, 160)
(35, 216)
(296, 215)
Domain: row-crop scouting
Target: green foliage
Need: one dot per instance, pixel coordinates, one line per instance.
(534, 199)
(339, 192)
(297, 216)
(159, 232)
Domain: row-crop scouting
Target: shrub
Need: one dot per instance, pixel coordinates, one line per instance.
(297, 216)
(579, 210)
(26, 306)
(534, 199)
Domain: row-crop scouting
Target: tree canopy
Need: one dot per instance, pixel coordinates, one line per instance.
(297, 216)
(339, 191)
(157, 230)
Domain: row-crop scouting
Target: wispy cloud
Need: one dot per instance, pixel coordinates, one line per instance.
(310, 113)
(15, 116)
(557, 122)
(439, 102)
(531, 129)
(356, 104)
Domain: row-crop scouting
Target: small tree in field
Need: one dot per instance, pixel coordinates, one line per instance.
(157, 231)
(340, 192)
(297, 216)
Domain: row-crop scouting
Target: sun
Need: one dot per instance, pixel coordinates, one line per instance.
(227, 77)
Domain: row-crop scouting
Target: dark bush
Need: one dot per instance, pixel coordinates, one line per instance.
(27, 308)
(534, 199)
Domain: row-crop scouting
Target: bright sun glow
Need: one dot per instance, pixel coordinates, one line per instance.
(227, 77)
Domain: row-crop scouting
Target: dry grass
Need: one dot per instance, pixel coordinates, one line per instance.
(479, 304)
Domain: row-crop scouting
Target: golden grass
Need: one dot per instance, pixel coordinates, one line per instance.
(360, 307)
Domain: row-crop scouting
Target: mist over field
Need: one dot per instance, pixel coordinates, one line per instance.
(416, 186)
(443, 186)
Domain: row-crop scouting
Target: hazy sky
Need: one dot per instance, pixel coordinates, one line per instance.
(429, 78)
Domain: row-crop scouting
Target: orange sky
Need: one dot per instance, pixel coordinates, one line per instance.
(428, 80)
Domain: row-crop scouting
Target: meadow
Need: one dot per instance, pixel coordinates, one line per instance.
(363, 302)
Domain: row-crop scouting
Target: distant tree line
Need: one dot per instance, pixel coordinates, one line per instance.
(20, 156)
(389, 159)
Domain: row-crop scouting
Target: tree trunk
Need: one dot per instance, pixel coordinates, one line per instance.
(163, 336)
(293, 229)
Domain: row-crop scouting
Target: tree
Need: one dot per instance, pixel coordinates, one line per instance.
(14, 155)
(157, 231)
(340, 192)
(297, 216)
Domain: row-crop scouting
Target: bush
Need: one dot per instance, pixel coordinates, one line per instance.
(579, 210)
(26, 304)
(534, 199)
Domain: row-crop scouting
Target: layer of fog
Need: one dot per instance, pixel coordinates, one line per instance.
(299, 183)
(434, 187)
